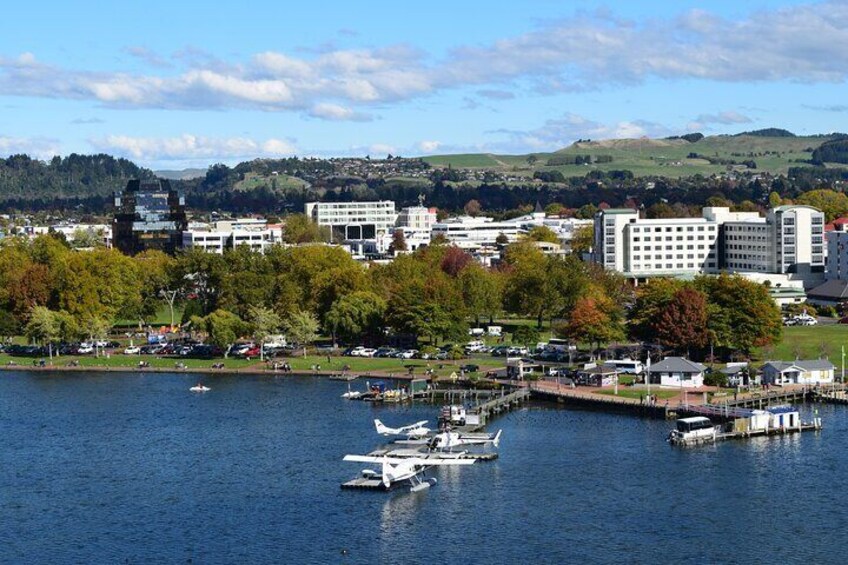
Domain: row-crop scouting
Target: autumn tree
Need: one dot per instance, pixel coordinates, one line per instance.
(833, 204)
(472, 208)
(683, 322)
(592, 321)
(398, 243)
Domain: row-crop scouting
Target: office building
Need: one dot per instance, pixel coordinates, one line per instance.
(149, 214)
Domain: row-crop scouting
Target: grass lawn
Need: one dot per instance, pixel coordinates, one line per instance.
(630, 393)
(808, 342)
(161, 318)
(298, 363)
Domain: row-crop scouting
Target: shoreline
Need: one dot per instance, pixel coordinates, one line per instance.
(202, 371)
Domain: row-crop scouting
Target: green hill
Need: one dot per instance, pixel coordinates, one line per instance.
(771, 151)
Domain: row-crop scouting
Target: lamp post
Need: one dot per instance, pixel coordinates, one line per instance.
(169, 296)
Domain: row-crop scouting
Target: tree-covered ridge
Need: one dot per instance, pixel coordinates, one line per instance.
(74, 176)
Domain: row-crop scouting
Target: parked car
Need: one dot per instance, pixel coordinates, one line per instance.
(409, 354)
(355, 351)
(132, 350)
(367, 352)
(85, 349)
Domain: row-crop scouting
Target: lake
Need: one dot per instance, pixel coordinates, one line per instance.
(105, 467)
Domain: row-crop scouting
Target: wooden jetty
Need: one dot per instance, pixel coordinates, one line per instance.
(563, 394)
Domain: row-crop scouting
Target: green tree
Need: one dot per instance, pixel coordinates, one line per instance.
(742, 314)
(302, 328)
(43, 327)
(356, 316)
(223, 328)
(299, 228)
(774, 199)
(525, 335)
(9, 326)
(833, 204)
(481, 291)
(542, 233)
(264, 322)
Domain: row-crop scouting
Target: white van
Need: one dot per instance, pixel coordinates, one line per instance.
(476, 332)
(495, 331)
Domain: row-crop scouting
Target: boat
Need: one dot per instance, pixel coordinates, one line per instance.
(697, 429)
(199, 388)
(343, 377)
(352, 394)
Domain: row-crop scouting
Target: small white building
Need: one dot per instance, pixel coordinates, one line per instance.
(677, 372)
(809, 372)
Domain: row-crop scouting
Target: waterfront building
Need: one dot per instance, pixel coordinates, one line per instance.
(677, 372)
(149, 214)
(416, 223)
(799, 372)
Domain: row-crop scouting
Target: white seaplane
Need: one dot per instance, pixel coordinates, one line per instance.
(447, 440)
(396, 470)
(199, 388)
(416, 430)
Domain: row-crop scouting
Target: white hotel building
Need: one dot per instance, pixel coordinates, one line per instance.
(354, 220)
(789, 240)
(230, 234)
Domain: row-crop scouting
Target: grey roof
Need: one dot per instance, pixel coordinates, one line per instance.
(806, 365)
(734, 369)
(831, 290)
(677, 365)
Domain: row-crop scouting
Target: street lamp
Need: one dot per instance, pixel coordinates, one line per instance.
(169, 296)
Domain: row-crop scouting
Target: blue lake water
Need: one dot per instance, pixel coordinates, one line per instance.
(135, 468)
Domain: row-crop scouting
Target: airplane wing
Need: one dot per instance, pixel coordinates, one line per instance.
(441, 462)
(418, 461)
(414, 426)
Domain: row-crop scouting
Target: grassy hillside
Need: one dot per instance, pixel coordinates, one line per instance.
(253, 181)
(657, 157)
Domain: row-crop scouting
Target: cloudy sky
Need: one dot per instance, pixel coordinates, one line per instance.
(177, 84)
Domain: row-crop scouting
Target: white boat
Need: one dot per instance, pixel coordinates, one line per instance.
(697, 429)
(199, 388)
(352, 394)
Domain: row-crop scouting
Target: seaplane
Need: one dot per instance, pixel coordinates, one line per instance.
(416, 430)
(447, 440)
(199, 388)
(396, 470)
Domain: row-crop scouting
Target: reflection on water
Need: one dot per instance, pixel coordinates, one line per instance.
(133, 467)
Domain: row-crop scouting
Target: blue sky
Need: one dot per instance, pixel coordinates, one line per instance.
(178, 84)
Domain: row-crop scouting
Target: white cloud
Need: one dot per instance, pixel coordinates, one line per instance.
(187, 148)
(36, 147)
(805, 43)
(429, 146)
(335, 112)
(557, 133)
(725, 118)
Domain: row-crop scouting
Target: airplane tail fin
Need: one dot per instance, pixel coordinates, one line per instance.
(381, 429)
(497, 441)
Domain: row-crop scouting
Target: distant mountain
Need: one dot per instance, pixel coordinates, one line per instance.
(184, 174)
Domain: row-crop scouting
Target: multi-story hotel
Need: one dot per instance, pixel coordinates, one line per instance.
(787, 241)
